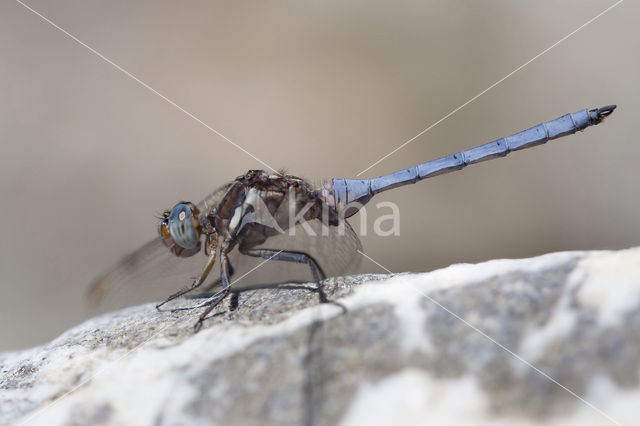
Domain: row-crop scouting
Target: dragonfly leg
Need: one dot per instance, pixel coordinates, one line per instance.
(287, 256)
(207, 302)
(297, 257)
(214, 300)
(198, 281)
(207, 291)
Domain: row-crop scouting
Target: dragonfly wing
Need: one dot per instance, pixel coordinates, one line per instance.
(214, 198)
(150, 273)
(336, 253)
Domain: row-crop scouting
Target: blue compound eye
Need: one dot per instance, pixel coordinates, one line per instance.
(183, 227)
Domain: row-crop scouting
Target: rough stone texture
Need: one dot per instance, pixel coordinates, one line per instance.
(468, 344)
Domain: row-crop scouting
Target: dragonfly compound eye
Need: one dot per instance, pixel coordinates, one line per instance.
(183, 226)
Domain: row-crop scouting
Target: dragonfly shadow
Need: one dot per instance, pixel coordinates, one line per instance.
(284, 285)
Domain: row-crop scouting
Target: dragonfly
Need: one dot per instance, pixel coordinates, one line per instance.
(283, 218)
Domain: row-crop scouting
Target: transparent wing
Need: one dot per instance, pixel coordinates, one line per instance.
(149, 273)
(336, 252)
(214, 198)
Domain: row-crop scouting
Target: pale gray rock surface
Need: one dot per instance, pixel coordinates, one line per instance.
(549, 340)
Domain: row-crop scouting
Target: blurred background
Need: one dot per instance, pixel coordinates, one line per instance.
(324, 88)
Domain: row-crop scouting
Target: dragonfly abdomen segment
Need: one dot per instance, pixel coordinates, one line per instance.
(343, 192)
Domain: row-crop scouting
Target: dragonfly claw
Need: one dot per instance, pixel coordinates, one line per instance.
(605, 111)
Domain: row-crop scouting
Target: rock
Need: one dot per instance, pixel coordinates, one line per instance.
(554, 340)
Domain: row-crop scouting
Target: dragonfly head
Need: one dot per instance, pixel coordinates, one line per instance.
(180, 230)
